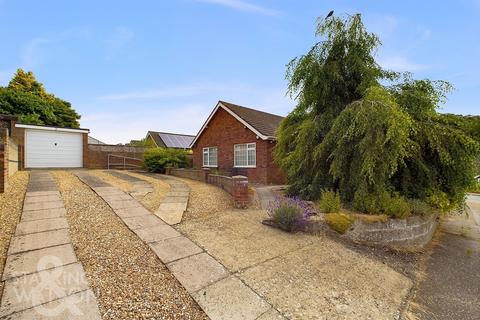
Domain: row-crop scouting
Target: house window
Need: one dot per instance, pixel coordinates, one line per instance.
(210, 157)
(245, 155)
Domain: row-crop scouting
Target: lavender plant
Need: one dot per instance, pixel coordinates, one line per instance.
(290, 214)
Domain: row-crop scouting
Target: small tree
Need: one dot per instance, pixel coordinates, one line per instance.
(376, 144)
(26, 98)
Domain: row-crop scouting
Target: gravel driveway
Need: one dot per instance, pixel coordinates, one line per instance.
(128, 279)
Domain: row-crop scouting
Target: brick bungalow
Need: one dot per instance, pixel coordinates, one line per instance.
(239, 141)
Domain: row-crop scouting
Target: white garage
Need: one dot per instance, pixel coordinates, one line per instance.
(51, 147)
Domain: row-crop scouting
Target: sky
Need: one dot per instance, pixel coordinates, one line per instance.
(132, 66)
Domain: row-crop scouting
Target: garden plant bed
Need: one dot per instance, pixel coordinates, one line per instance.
(11, 203)
(128, 279)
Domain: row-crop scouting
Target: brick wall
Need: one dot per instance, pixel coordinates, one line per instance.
(96, 155)
(223, 132)
(236, 186)
(3, 159)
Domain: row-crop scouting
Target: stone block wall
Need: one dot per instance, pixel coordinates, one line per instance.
(411, 233)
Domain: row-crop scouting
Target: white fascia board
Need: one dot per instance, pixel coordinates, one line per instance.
(30, 126)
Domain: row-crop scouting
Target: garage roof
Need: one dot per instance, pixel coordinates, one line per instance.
(51, 128)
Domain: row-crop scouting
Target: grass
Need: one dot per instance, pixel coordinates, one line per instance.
(340, 222)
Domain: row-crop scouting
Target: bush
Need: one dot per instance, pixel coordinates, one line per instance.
(289, 214)
(419, 207)
(396, 207)
(382, 203)
(157, 159)
(339, 222)
(438, 199)
(329, 201)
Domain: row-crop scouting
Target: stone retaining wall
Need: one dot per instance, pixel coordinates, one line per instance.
(413, 232)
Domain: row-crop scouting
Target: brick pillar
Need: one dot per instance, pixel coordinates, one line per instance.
(206, 173)
(3, 159)
(240, 192)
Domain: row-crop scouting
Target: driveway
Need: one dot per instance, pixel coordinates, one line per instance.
(302, 276)
(450, 288)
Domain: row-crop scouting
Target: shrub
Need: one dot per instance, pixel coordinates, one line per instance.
(382, 203)
(289, 214)
(439, 200)
(339, 222)
(396, 207)
(419, 207)
(329, 201)
(156, 159)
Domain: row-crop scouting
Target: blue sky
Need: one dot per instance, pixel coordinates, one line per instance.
(132, 66)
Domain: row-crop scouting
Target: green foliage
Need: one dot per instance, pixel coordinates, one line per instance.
(396, 207)
(339, 222)
(329, 201)
(377, 144)
(420, 208)
(287, 216)
(157, 159)
(145, 142)
(26, 98)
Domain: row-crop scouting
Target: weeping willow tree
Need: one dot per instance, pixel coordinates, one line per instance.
(352, 133)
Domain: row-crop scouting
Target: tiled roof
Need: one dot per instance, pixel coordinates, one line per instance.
(263, 122)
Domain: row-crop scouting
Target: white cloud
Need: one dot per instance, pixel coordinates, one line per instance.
(242, 5)
(120, 37)
(35, 51)
(181, 109)
(174, 91)
(400, 63)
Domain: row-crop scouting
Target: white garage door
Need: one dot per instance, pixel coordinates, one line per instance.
(53, 149)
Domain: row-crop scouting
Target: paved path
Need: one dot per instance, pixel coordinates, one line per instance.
(451, 286)
(175, 203)
(219, 293)
(43, 278)
(140, 187)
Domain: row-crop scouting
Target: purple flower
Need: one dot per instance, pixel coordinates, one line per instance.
(281, 209)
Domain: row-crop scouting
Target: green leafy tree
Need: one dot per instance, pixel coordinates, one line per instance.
(26, 98)
(375, 144)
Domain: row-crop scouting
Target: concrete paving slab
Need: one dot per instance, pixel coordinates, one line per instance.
(178, 194)
(197, 272)
(48, 198)
(78, 306)
(132, 212)
(37, 260)
(271, 314)
(143, 222)
(43, 214)
(43, 205)
(172, 206)
(38, 241)
(171, 199)
(41, 226)
(170, 217)
(42, 193)
(123, 204)
(172, 249)
(157, 233)
(116, 197)
(231, 299)
(45, 286)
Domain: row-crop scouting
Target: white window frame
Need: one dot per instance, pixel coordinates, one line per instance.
(206, 150)
(249, 147)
